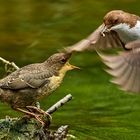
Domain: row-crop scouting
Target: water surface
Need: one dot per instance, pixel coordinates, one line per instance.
(31, 30)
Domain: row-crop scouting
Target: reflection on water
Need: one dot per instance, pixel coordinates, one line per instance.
(31, 30)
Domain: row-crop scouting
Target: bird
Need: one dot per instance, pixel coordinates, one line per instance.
(25, 86)
(119, 29)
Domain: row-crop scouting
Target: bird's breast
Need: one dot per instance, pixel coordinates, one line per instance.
(127, 33)
(55, 81)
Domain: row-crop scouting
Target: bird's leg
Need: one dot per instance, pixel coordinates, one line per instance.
(40, 111)
(37, 117)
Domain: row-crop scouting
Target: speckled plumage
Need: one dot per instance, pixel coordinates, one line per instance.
(28, 84)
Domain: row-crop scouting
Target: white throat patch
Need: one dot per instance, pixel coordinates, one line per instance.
(126, 33)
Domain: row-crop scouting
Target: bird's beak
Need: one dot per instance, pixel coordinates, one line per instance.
(70, 67)
(104, 30)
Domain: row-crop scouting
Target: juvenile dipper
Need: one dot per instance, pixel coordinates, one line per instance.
(22, 88)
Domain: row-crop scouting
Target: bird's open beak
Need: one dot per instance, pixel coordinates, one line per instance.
(104, 30)
(70, 67)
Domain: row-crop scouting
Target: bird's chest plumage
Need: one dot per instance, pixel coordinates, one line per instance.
(127, 33)
(55, 81)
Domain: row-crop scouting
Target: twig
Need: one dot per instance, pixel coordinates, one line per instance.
(61, 132)
(37, 104)
(9, 63)
(60, 103)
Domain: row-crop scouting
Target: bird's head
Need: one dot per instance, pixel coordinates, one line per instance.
(60, 61)
(117, 19)
(114, 18)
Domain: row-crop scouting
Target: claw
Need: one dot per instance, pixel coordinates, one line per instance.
(40, 111)
(36, 116)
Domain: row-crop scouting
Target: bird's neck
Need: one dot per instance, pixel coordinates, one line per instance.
(127, 33)
(54, 82)
(63, 70)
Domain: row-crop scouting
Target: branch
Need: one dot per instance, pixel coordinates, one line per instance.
(60, 103)
(61, 132)
(9, 63)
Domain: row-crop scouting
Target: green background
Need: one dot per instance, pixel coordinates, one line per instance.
(32, 30)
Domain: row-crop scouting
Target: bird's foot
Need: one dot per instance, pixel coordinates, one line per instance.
(39, 111)
(37, 116)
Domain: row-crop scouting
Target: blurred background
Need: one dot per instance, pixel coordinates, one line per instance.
(32, 30)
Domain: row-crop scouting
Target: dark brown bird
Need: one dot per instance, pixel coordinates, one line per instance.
(119, 30)
(22, 88)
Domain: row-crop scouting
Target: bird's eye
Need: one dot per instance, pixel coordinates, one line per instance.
(116, 20)
(63, 60)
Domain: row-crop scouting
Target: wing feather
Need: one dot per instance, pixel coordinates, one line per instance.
(30, 76)
(125, 68)
(97, 41)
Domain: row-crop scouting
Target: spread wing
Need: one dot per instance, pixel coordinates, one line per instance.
(30, 76)
(125, 67)
(98, 41)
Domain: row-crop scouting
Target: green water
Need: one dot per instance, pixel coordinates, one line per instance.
(32, 30)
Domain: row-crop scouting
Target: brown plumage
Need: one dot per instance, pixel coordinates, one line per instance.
(119, 30)
(27, 85)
